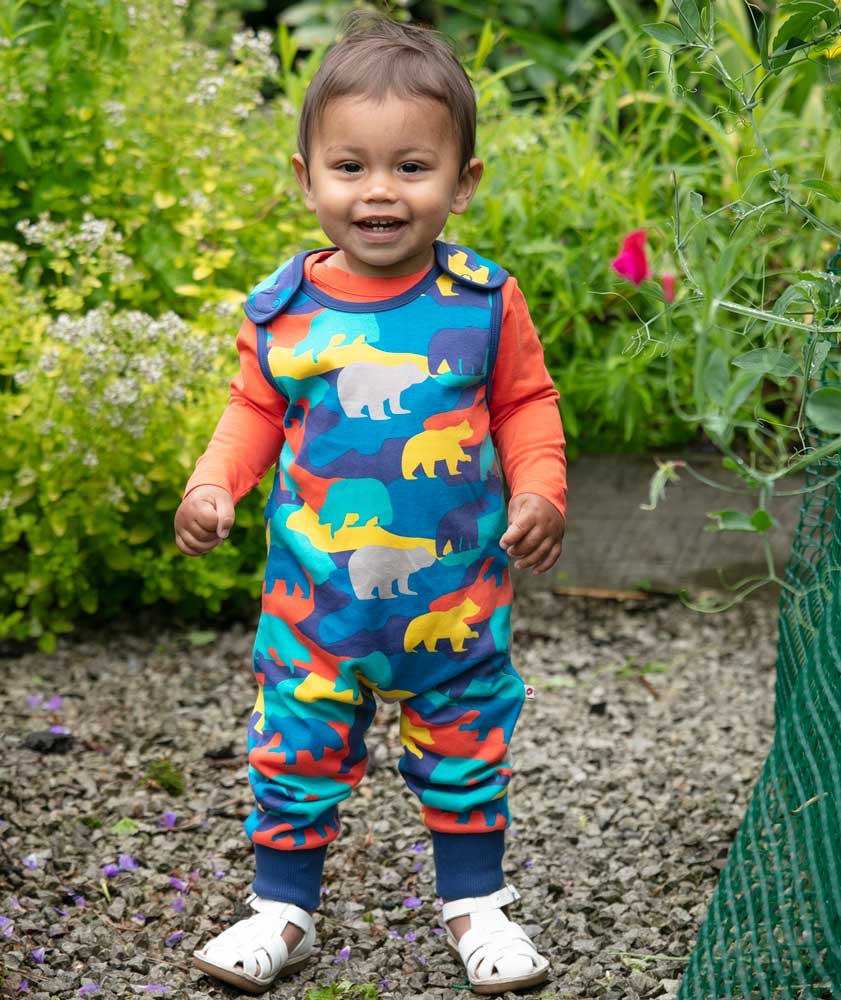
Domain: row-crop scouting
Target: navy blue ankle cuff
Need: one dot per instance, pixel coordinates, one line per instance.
(468, 864)
(290, 876)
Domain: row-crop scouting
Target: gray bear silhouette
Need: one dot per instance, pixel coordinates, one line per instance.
(363, 384)
(377, 567)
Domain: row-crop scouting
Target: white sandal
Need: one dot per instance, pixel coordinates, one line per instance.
(497, 953)
(235, 955)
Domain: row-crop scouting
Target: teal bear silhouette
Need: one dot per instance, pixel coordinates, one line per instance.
(367, 498)
(328, 324)
(274, 634)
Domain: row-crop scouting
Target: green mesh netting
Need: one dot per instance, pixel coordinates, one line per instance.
(773, 928)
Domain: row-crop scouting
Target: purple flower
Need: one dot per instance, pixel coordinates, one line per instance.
(417, 867)
(177, 883)
(436, 930)
(385, 984)
(140, 918)
(417, 848)
(22, 985)
(8, 931)
(38, 956)
(343, 955)
(421, 959)
(127, 862)
(168, 820)
(395, 934)
(411, 936)
(34, 700)
(178, 903)
(30, 862)
(4, 921)
(79, 901)
(15, 903)
(152, 986)
(174, 938)
(109, 871)
(411, 902)
(54, 703)
(528, 864)
(88, 989)
(218, 875)
(59, 730)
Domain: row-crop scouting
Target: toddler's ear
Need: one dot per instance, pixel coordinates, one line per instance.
(467, 184)
(302, 175)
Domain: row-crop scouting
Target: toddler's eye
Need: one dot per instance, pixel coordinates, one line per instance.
(411, 168)
(349, 168)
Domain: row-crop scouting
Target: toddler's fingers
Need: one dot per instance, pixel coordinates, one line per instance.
(190, 545)
(205, 516)
(549, 561)
(536, 553)
(225, 515)
(515, 532)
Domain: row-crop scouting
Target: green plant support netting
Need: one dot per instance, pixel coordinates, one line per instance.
(773, 928)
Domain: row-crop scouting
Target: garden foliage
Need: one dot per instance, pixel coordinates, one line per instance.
(146, 188)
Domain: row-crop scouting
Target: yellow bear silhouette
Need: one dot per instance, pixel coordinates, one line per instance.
(429, 447)
(435, 625)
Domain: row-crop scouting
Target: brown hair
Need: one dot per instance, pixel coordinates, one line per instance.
(376, 57)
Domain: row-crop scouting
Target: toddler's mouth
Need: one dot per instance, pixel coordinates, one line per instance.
(380, 225)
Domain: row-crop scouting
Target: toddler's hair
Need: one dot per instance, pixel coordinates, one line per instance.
(377, 57)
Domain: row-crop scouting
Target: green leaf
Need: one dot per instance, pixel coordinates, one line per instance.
(484, 46)
(125, 827)
(690, 18)
(762, 40)
(666, 33)
(822, 187)
(657, 487)
(739, 389)
(696, 203)
(716, 377)
(731, 520)
(201, 638)
(823, 409)
(761, 520)
(768, 361)
(822, 349)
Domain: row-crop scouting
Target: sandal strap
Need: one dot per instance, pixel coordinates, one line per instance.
(480, 904)
(288, 911)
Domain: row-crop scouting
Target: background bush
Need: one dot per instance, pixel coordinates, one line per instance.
(147, 187)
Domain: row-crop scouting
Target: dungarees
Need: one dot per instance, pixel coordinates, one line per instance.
(384, 573)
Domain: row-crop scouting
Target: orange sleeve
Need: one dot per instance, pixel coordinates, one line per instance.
(525, 420)
(249, 435)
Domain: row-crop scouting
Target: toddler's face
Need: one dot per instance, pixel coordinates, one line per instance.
(382, 178)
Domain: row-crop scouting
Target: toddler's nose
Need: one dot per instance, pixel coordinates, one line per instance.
(380, 188)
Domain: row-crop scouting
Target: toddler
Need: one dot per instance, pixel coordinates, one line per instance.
(380, 374)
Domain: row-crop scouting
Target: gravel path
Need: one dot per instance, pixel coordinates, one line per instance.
(633, 765)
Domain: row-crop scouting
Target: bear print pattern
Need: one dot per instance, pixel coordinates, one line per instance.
(384, 573)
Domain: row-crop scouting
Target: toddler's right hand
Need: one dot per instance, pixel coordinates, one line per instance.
(203, 519)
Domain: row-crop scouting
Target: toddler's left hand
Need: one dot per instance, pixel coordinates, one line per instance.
(535, 531)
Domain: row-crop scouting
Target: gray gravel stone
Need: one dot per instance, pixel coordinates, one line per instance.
(628, 788)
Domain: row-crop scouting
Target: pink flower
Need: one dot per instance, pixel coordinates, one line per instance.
(668, 287)
(632, 262)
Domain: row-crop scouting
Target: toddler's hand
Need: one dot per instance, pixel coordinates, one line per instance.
(203, 519)
(535, 530)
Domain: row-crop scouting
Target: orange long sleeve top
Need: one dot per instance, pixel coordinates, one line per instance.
(524, 418)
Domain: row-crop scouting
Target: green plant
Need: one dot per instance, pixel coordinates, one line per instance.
(344, 990)
(748, 380)
(166, 774)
